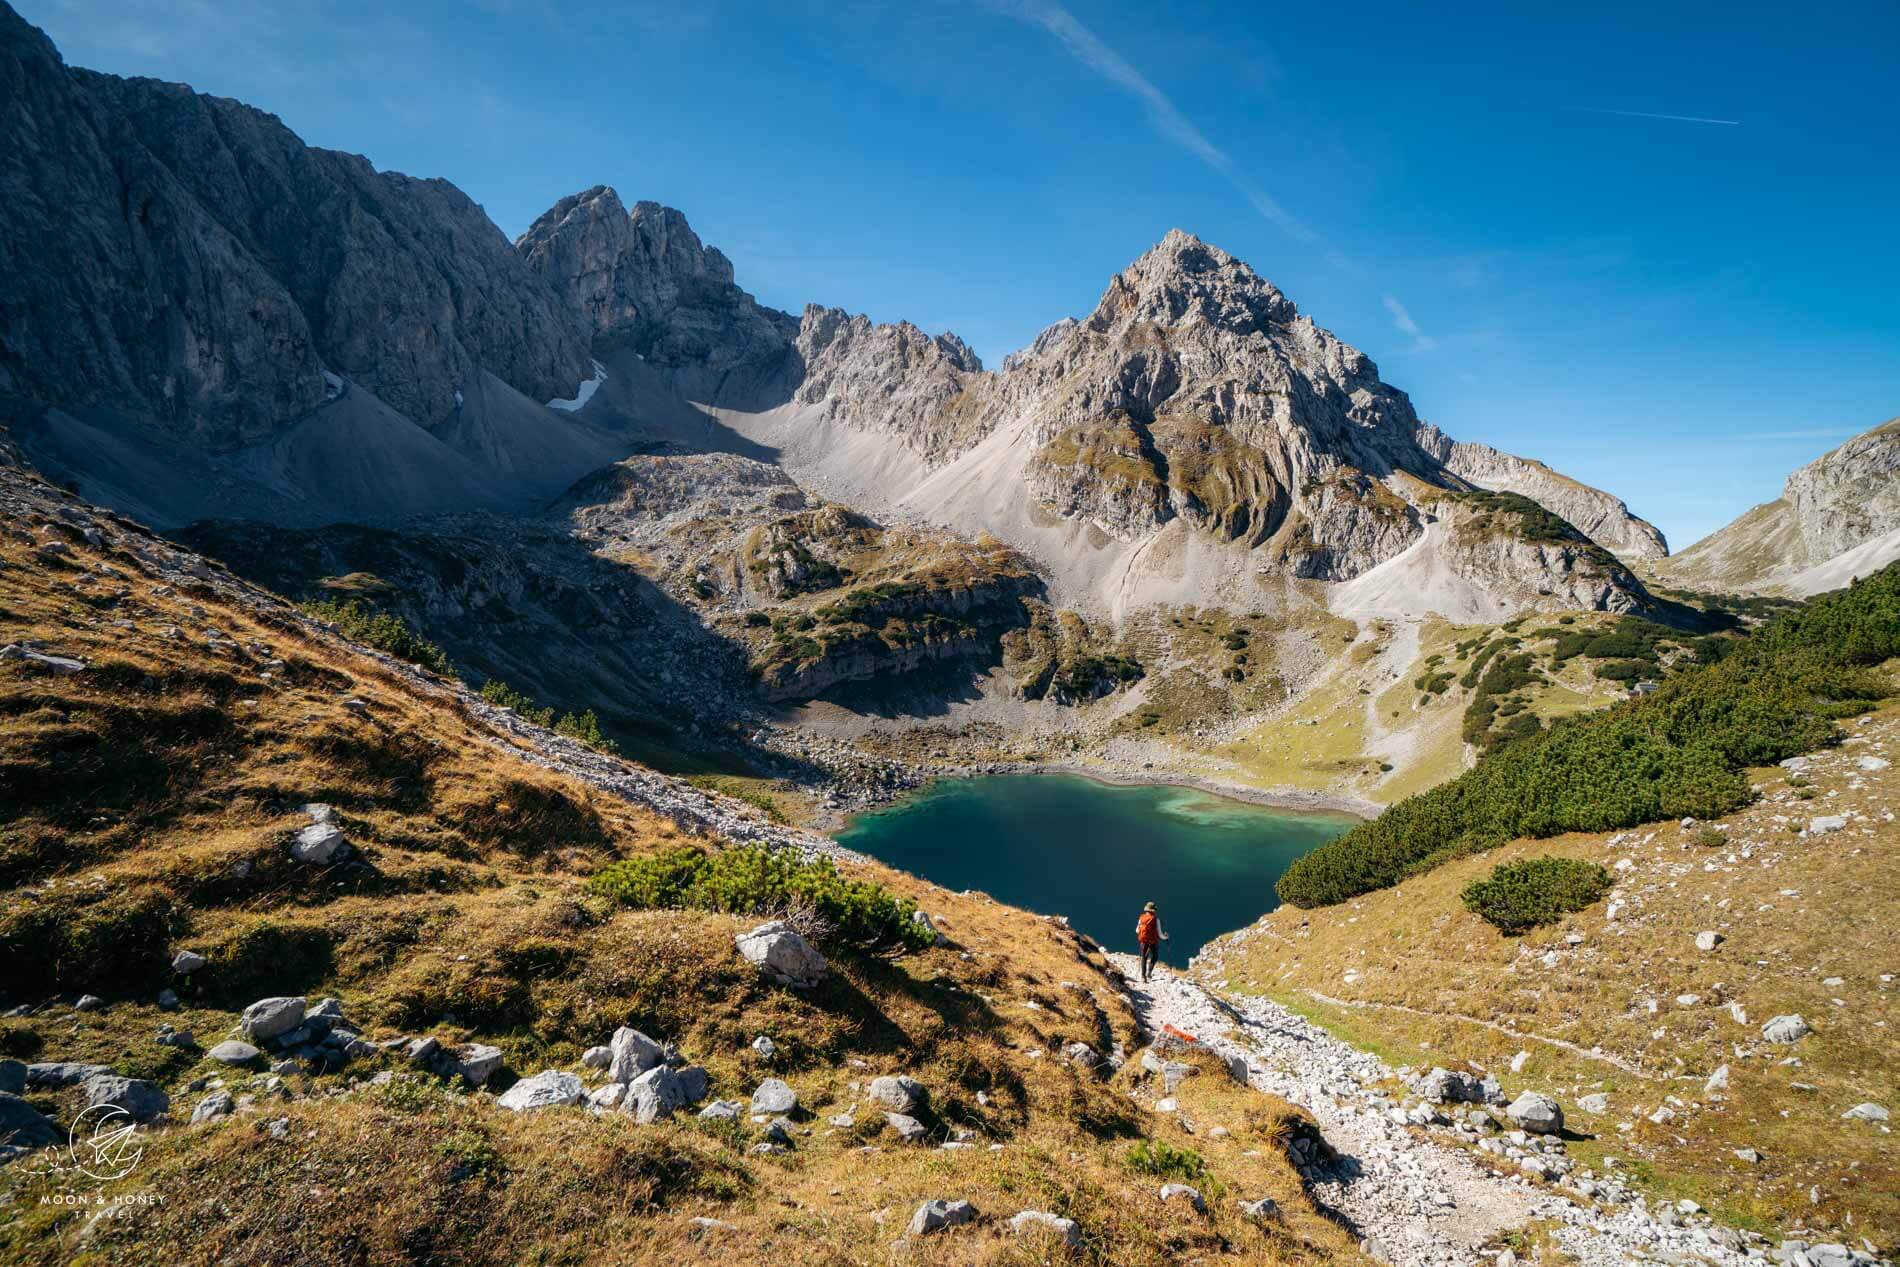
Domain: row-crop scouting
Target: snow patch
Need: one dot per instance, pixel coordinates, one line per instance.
(332, 385)
(581, 397)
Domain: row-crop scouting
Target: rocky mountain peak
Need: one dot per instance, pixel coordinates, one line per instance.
(1182, 280)
(624, 266)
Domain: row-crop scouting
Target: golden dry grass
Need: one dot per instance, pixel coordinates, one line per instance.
(1811, 926)
(145, 805)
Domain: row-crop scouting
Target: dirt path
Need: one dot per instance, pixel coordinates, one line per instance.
(1566, 1044)
(1415, 1197)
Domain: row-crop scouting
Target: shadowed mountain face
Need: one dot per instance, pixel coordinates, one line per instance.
(206, 319)
(187, 263)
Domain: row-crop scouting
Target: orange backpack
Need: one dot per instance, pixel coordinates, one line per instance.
(1148, 929)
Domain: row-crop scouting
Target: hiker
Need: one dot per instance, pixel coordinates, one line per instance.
(1148, 933)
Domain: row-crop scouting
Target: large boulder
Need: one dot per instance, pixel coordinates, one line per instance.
(1445, 1086)
(631, 1054)
(267, 1018)
(25, 1126)
(142, 1100)
(908, 1128)
(655, 1095)
(897, 1093)
(935, 1216)
(232, 1052)
(1786, 1029)
(774, 1095)
(548, 1089)
(478, 1062)
(61, 1073)
(693, 1083)
(782, 955)
(1537, 1113)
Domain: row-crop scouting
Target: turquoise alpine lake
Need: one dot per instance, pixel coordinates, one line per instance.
(1066, 845)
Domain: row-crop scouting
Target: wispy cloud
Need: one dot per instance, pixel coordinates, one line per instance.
(1087, 47)
(1673, 118)
(1421, 342)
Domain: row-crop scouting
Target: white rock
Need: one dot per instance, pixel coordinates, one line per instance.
(1786, 1029)
(1826, 823)
(631, 1054)
(232, 1052)
(1868, 1112)
(897, 1094)
(478, 1062)
(1040, 1222)
(550, 1088)
(655, 1095)
(267, 1018)
(935, 1216)
(774, 1095)
(186, 961)
(782, 955)
(319, 844)
(1718, 1081)
(1182, 1192)
(1708, 939)
(1536, 1113)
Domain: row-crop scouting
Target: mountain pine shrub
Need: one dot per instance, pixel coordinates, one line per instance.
(1680, 752)
(1518, 896)
(384, 631)
(758, 881)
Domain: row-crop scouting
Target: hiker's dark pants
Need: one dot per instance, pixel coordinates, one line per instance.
(1150, 956)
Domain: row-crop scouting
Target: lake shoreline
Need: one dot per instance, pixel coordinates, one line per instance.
(1064, 839)
(832, 821)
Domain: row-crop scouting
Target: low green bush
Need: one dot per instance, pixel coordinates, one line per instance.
(758, 881)
(583, 726)
(384, 631)
(1519, 896)
(1159, 1157)
(1680, 752)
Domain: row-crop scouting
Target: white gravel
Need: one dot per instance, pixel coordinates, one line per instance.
(1412, 1192)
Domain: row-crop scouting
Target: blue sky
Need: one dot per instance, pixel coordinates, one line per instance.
(1679, 311)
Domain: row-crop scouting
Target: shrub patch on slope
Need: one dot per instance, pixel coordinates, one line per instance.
(1681, 751)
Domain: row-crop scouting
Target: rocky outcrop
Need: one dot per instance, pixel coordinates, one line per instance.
(1604, 518)
(891, 378)
(644, 280)
(187, 263)
(1838, 517)
(1849, 495)
(1196, 390)
(1506, 544)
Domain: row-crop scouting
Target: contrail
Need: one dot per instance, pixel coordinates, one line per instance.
(1087, 47)
(1674, 118)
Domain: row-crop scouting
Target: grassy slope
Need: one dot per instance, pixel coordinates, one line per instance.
(130, 793)
(1794, 911)
(1324, 741)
